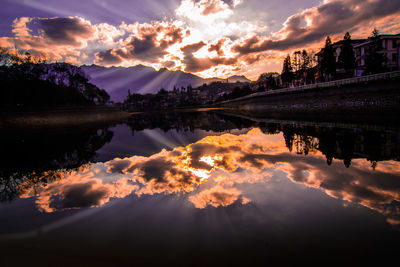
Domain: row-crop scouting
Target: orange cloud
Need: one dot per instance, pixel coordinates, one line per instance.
(57, 38)
(76, 189)
(147, 43)
(313, 25)
(217, 196)
(230, 47)
(224, 163)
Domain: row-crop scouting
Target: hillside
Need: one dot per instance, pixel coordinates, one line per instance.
(141, 79)
(30, 85)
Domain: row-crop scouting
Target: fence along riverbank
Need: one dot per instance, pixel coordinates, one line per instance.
(338, 83)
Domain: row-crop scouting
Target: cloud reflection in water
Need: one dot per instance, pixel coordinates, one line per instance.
(210, 171)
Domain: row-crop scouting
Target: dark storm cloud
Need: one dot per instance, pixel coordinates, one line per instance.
(65, 30)
(118, 165)
(108, 57)
(79, 196)
(154, 169)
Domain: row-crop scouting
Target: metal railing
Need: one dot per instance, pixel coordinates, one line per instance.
(337, 83)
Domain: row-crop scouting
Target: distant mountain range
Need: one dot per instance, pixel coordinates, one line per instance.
(141, 79)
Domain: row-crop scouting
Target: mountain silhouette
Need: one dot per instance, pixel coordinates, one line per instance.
(141, 79)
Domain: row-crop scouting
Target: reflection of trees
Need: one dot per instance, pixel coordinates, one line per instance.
(302, 142)
(339, 143)
(187, 121)
(33, 158)
(13, 186)
(305, 144)
(29, 159)
(344, 144)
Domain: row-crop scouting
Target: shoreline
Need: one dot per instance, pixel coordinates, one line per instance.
(376, 101)
(61, 118)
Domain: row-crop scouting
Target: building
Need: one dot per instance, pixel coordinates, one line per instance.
(337, 47)
(267, 81)
(389, 45)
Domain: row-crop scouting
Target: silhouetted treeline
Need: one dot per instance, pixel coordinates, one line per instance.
(185, 97)
(27, 84)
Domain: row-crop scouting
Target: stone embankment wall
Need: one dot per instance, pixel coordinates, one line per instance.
(373, 99)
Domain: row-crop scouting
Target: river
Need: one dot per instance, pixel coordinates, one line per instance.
(200, 189)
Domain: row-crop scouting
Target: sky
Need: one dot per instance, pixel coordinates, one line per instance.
(209, 38)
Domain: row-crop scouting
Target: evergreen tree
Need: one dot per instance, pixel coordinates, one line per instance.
(305, 61)
(375, 60)
(287, 71)
(328, 59)
(347, 59)
(297, 64)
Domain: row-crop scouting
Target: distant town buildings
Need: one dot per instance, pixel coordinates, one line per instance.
(385, 46)
(342, 59)
(180, 98)
(337, 48)
(388, 47)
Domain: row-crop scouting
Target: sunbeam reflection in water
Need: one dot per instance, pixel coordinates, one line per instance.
(236, 190)
(220, 171)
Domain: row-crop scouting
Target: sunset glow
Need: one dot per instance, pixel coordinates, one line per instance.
(223, 163)
(208, 37)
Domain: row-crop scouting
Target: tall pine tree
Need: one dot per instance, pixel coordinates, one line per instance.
(328, 63)
(375, 60)
(347, 59)
(287, 71)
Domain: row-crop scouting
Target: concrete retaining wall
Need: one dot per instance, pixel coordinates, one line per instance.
(373, 99)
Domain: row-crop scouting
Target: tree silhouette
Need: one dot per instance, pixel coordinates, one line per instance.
(347, 59)
(375, 59)
(328, 63)
(287, 71)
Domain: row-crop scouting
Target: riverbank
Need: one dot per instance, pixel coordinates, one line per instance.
(376, 101)
(61, 118)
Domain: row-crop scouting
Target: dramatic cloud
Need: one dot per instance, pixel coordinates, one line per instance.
(196, 64)
(147, 43)
(54, 38)
(217, 196)
(314, 24)
(78, 189)
(65, 31)
(204, 10)
(230, 44)
(212, 172)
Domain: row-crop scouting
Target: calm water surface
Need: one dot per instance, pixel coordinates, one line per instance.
(200, 189)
